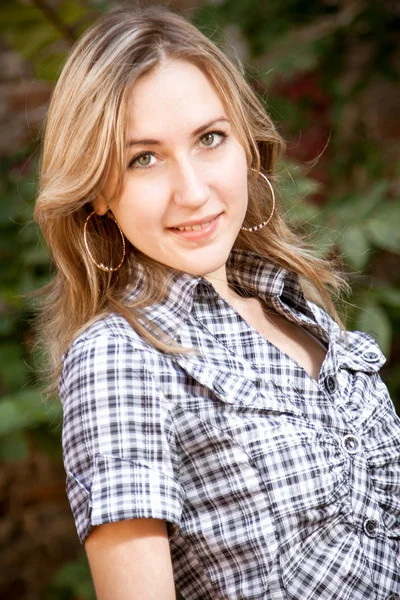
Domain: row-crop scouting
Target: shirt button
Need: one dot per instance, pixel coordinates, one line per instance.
(371, 527)
(393, 597)
(370, 357)
(351, 444)
(330, 384)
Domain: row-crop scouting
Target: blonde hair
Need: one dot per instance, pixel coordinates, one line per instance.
(85, 132)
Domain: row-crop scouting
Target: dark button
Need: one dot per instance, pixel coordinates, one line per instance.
(371, 527)
(330, 384)
(351, 444)
(393, 597)
(370, 357)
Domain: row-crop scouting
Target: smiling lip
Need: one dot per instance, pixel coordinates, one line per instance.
(200, 222)
(197, 229)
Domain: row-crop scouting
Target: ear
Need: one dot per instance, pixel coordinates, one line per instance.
(100, 206)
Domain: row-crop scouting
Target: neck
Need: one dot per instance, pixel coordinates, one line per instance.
(219, 280)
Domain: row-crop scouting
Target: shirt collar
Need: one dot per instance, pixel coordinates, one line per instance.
(251, 271)
(276, 285)
(256, 274)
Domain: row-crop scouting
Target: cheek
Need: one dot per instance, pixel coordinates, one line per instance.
(138, 211)
(237, 181)
(238, 167)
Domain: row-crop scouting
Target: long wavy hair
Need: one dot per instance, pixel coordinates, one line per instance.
(86, 130)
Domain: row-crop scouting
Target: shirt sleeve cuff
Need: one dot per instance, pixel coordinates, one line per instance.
(121, 490)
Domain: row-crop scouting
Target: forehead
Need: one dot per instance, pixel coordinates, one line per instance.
(176, 95)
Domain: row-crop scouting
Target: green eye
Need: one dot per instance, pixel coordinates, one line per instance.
(208, 139)
(144, 160)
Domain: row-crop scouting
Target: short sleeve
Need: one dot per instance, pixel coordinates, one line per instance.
(118, 437)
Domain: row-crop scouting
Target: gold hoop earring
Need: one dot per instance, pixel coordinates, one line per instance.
(264, 223)
(101, 266)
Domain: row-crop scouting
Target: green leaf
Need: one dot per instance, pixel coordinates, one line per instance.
(373, 320)
(27, 409)
(285, 57)
(354, 247)
(384, 229)
(323, 240)
(11, 417)
(355, 209)
(302, 213)
(293, 189)
(369, 201)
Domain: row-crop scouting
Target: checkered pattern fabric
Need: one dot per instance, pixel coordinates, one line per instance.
(273, 485)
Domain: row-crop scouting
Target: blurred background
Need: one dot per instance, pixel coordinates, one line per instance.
(328, 72)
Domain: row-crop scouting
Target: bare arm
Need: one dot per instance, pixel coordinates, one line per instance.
(130, 560)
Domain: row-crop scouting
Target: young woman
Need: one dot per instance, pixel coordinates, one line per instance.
(219, 429)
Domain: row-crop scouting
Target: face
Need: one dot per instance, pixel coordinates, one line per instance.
(184, 195)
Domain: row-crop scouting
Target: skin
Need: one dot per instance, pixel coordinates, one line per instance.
(194, 169)
(130, 560)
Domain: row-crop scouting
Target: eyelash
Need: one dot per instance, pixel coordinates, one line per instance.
(224, 137)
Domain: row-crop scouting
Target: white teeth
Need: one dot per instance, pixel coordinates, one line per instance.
(193, 227)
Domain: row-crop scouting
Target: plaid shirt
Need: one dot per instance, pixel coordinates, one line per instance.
(273, 485)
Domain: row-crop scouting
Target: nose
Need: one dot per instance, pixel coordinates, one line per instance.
(190, 188)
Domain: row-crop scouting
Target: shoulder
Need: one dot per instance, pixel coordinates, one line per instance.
(112, 333)
(113, 326)
(108, 351)
(110, 390)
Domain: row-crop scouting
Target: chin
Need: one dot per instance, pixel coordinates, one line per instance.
(199, 266)
(204, 269)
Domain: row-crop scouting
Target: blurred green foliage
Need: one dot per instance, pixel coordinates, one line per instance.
(73, 580)
(314, 64)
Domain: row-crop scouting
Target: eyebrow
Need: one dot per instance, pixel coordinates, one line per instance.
(198, 131)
